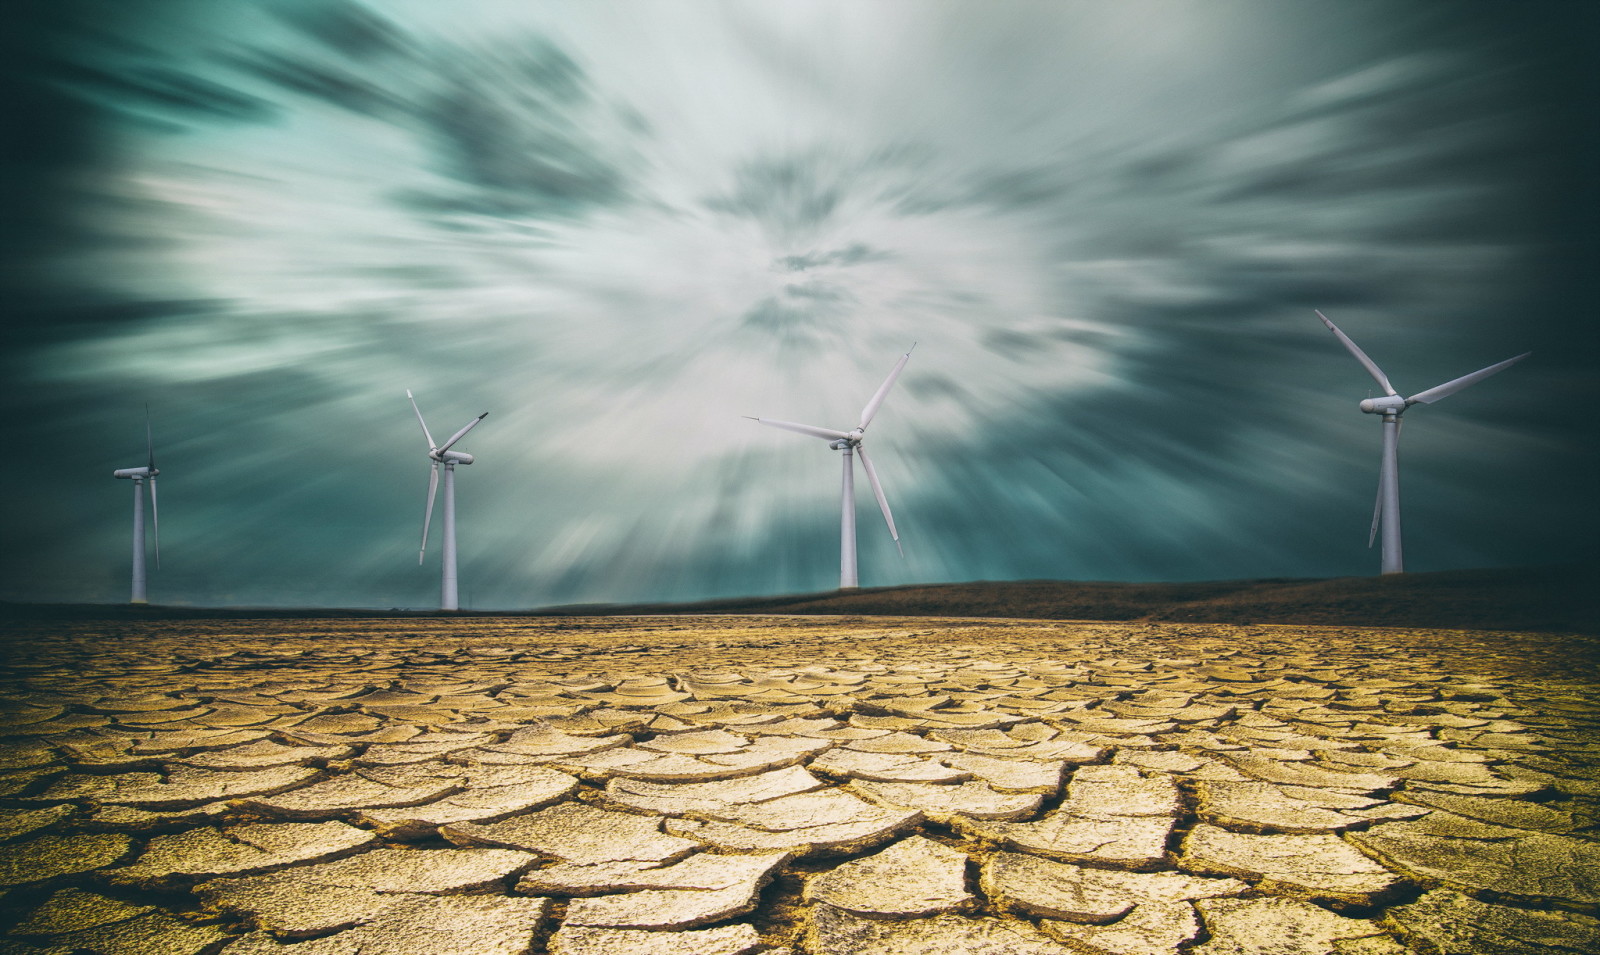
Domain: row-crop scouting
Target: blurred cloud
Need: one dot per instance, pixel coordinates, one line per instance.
(619, 228)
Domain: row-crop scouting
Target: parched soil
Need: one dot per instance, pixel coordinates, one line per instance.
(770, 785)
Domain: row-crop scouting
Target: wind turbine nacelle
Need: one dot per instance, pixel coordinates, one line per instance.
(1389, 404)
(456, 457)
(134, 473)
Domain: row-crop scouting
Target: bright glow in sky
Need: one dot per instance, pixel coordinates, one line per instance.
(618, 227)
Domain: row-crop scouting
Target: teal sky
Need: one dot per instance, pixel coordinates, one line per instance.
(618, 227)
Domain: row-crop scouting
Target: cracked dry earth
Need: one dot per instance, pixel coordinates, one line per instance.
(850, 786)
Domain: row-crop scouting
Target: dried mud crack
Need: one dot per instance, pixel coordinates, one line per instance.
(768, 786)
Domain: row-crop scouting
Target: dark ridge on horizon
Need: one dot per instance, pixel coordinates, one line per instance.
(1560, 598)
(1555, 598)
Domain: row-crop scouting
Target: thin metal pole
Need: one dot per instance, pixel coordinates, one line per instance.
(138, 542)
(847, 523)
(447, 590)
(1393, 563)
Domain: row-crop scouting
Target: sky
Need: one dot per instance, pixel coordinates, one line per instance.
(619, 227)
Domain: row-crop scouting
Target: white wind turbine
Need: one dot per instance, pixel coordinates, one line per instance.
(850, 443)
(441, 454)
(1386, 512)
(138, 475)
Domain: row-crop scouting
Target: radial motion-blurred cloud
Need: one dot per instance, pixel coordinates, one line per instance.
(619, 227)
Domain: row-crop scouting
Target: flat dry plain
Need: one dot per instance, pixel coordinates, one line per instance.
(724, 785)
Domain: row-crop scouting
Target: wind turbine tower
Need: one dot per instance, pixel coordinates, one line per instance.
(442, 455)
(1386, 511)
(139, 476)
(850, 442)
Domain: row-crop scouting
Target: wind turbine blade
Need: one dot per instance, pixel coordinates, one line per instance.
(149, 441)
(1377, 515)
(155, 514)
(871, 409)
(462, 433)
(427, 515)
(883, 502)
(1361, 356)
(425, 434)
(1451, 387)
(826, 433)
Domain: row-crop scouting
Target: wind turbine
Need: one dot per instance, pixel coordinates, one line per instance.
(138, 475)
(441, 454)
(850, 443)
(1386, 511)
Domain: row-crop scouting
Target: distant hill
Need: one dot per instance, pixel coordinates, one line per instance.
(1564, 598)
(1560, 598)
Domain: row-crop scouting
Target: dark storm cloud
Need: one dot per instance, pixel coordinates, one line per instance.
(1362, 174)
(853, 254)
(307, 77)
(62, 316)
(345, 26)
(937, 386)
(50, 140)
(95, 53)
(137, 89)
(1013, 344)
(1022, 188)
(789, 196)
(802, 315)
(522, 126)
(74, 87)
(819, 292)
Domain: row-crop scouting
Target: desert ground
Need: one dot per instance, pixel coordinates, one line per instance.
(719, 785)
